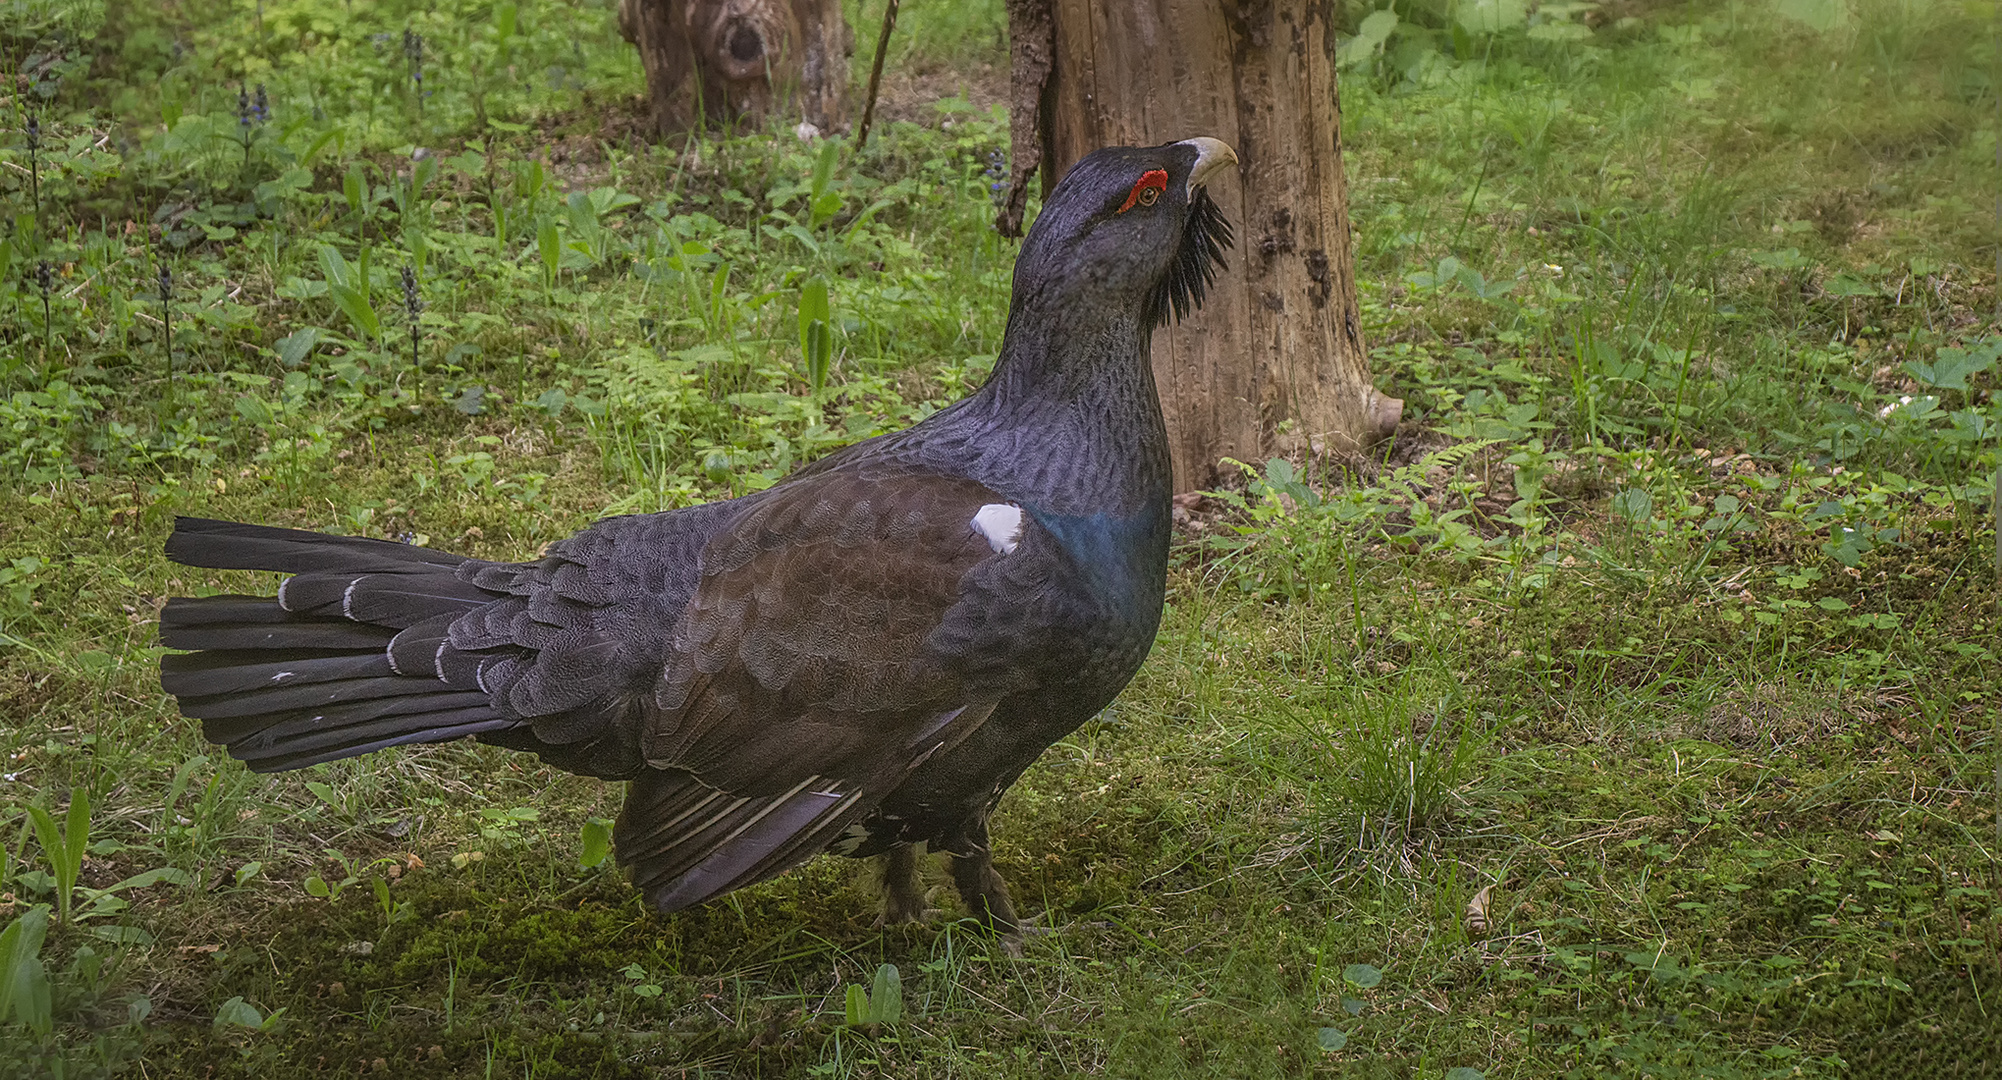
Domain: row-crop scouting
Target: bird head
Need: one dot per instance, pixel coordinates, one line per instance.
(1130, 227)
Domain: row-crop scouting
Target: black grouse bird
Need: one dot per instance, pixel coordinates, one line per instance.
(861, 658)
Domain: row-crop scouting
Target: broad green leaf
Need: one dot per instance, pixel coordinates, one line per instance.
(825, 207)
(816, 340)
(1377, 26)
(1492, 16)
(354, 188)
(24, 981)
(169, 874)
(1376, 29)
(123, 935)
(606, 200)
(102, 903)
(1331, 1039)
(421, 175)
(597, 842)
(335, 266)
(254, 409)
(238, 1013)
(549, 244)
(1634, 504)
(806, 240)
(1362, 975)
(823, 169)
(290, 183)
(355, 305)
(76, 830)
(63, 847)
(1951, 368)
(886, 997)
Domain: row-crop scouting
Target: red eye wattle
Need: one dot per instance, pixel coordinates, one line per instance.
(1146, 190)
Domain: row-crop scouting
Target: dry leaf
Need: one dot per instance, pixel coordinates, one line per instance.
(1477, 911)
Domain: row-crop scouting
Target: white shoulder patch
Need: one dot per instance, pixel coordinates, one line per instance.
(1001, 525)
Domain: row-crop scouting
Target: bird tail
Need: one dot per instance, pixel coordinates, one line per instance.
(350, 657)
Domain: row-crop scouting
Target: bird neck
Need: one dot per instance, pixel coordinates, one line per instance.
(1072, 410)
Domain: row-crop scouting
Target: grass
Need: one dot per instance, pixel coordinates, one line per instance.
(1633, 713)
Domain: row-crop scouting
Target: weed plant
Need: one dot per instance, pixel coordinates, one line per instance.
(1633, 713)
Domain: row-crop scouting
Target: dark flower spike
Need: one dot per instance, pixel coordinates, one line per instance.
(46, 280)
(34, 127)
(166, 283)
(412, 305)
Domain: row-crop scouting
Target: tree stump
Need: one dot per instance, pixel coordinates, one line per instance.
(730, 61)
(1274, 363)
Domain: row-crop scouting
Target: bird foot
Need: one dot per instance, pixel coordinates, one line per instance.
(919, 916)
(1024, 930)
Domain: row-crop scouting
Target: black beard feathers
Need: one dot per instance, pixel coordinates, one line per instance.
(1196, 263)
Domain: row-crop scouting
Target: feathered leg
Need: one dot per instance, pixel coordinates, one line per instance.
(985, 894)
(903, 900)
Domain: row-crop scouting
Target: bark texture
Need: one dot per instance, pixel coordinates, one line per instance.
(1031, 39)
(1275, 362)
(723, 61)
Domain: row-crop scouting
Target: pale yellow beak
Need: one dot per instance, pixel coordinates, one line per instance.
(1211, 155)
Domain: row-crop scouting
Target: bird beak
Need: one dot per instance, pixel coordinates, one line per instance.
(1211, 155)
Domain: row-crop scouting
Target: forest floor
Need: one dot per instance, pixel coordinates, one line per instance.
(1633, 713)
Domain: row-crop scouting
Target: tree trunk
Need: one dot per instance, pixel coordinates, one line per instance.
(1274, 363)
(724, 61)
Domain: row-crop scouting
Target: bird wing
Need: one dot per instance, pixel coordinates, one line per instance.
(807, 674)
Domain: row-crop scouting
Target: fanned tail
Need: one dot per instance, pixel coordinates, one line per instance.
(351, 656)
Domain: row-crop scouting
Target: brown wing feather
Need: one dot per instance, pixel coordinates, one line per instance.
(800, 686)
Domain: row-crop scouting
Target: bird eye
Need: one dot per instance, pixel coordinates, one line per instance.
(1146, 190)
